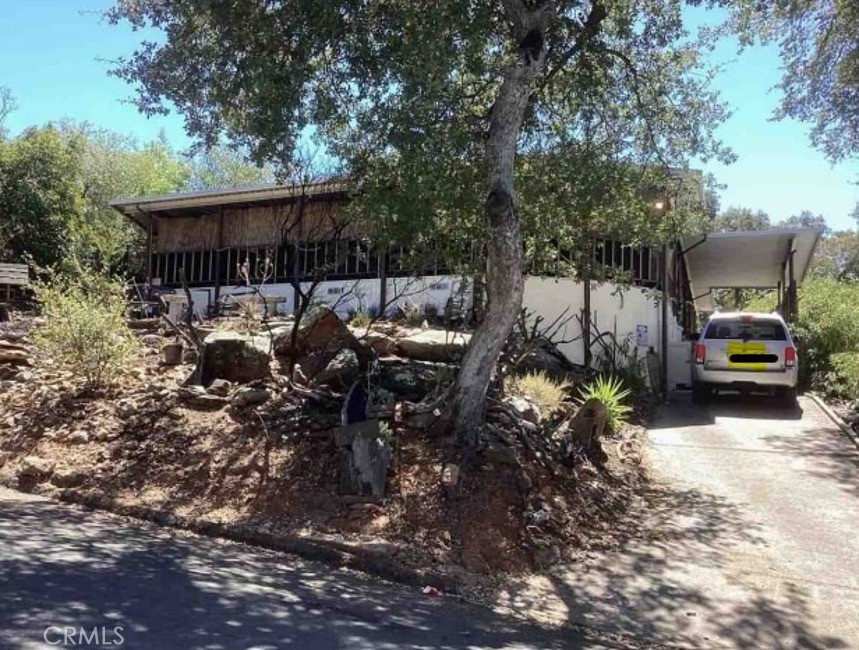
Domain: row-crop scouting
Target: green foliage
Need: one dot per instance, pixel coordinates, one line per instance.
(820, 63)
(735, 219)
(610, 391)
(844, 378)
(85, 327)
(39, 195)
(403, 100)
(549, 395)
(222, 167)
(360, 319)
(826, 325)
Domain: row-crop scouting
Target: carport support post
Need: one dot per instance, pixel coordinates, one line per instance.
(792, 286)
(586, 310)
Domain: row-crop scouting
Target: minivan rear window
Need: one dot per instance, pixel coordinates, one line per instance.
(746, 330)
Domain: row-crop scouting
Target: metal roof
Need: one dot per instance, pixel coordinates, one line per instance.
(141, 208)
(749, 259)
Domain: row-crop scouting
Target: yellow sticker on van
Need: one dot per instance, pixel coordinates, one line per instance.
(739, 347)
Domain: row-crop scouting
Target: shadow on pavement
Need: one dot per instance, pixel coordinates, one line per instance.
(67, 567)
(681, 412)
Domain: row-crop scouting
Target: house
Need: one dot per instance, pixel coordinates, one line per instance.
(291, 238)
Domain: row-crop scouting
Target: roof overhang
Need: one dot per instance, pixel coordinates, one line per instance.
(178, 204)
(756, 259)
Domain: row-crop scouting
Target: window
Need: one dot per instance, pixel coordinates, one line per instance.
(746, 330)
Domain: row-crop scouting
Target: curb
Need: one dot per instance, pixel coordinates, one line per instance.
(337, 554)
(832, 415)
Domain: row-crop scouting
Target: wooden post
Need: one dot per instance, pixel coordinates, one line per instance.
(792, 286)
(219, 253)
(383, 282)
(664, 343)
(586, 312)
(149, 252)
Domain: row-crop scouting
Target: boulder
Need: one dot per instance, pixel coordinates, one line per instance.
(382, 344)
(450, 475)
(412, 380)
(236, 357)
(546, 358)
(197, 397)
(248, 396)
(433, 345)
(68, 478)
(125, 409)
(320, 328)
(220, 387)
(340, 372)
(36, 468)
(525, 409)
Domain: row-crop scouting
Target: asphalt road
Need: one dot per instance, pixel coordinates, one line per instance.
(752, 536)
(65, 567)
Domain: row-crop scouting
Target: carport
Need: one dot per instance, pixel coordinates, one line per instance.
(760, 259)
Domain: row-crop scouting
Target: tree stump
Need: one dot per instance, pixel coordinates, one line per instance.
(585, 431)
(364, 459)
(5, 313)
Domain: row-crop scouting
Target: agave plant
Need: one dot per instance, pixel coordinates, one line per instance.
(609, 390)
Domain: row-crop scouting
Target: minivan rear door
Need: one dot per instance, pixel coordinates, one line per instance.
(746, 343)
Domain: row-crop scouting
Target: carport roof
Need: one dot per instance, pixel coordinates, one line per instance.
(749, 259)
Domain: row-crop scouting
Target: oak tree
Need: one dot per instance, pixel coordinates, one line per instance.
(429, 106)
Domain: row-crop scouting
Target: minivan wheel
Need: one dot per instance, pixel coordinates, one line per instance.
(787, 396)
(700, 393)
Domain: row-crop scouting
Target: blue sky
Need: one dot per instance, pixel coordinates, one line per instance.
(53, 52)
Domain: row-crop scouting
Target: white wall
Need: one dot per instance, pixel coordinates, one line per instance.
(349, 296)
(612, 309)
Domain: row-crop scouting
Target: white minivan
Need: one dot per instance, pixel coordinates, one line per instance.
(745, 352)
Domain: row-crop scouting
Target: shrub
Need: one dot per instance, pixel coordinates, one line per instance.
(845, 374)
(549, 395)
(360, 319)
(826, 325)
(609, 390)
(85, 327)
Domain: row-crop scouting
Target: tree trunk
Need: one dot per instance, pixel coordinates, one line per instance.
(504, 273)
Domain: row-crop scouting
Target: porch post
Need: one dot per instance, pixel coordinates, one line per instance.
(220, 253)
(586, 315)
(149, 253)
(664, 332)
(792, 285)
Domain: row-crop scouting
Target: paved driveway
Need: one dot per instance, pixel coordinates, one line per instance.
(754, 542)
(65, 567)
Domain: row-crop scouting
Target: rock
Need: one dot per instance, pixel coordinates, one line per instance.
(236, 357)
(546, 358)
(546, 554)
(152, 340)
(364, 458)
(524, 483)
(220, 387)
(382, 344)
(412, 380)
(433, 345)
(125, 409)
(36, 468)
(4, 458)
(340, 372)
(525, 409)
(68, 478)
(450, 475)
(497, 453)
(247, 396)
(24, 377)
(197, 397)
(78, 438)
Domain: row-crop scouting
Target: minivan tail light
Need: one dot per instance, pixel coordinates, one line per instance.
(700, 354)
(790, 357)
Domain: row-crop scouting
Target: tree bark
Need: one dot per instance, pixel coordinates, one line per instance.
(504, 273)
